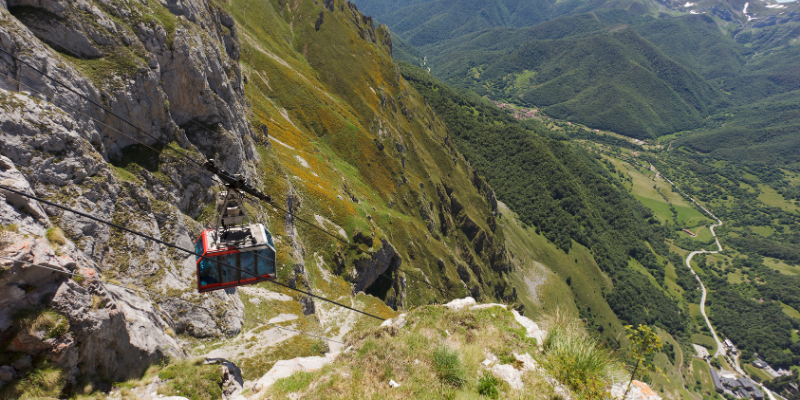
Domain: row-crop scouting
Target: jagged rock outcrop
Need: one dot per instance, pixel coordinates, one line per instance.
(385, 261)
(64, 145)
(112, 333)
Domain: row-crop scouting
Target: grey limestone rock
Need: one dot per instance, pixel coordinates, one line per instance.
(29, 213)
(114, 334)
(64, 145)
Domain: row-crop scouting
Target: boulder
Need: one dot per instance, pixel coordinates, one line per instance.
(398, 322)
(488, 305)
(639, 391)
(509, 374)
(26, 212)
(458, 304)
(7, 373)
(531, 327)
(285, 368)
(126, 336)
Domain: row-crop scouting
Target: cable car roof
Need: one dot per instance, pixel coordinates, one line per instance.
(242, 238)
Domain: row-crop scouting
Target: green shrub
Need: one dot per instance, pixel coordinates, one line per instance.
(487, 386)
(192, 379)
(448, 366)
(577, 359)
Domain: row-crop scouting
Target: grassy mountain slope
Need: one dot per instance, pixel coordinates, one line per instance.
(352, 144)
(696, 42)
(428, 23)
(637, 68)
(431, 22)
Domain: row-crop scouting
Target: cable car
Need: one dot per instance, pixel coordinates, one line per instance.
(236, 242)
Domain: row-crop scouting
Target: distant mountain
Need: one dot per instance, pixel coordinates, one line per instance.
(640, 68)
(581, 69)
(429, 22)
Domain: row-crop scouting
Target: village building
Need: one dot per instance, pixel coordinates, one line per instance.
(742, 388)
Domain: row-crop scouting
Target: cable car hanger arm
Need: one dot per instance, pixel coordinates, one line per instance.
(235, 182)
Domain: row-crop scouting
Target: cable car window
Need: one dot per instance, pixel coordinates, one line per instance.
(229, 274)
(248, 264)
(266, 262)
(208, 272)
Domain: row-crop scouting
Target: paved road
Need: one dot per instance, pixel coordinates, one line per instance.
(720, 347)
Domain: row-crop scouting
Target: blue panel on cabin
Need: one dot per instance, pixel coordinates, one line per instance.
(266, 262)
(207, 270)
(248, 261)
(229, 274)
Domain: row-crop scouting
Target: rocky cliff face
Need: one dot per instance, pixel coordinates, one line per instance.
(105, 331)
(300, 98)
(179, 84)
(118, 56)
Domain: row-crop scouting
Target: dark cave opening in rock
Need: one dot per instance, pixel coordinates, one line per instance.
(381, 286)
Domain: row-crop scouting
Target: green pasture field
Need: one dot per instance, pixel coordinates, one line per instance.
(704, 340)
(670, 383)
(637, 266)
(765, 231)
(782, 266)
(790, 311)
(671, 282)
(772, 198)
(702, 377)
(735, 277)
(659, 207)
(753, 371)
(690, 216)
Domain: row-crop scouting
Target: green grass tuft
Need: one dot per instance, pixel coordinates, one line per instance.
(293, 383)
(9, 227)
(43, 382)
(448, 367)
(577, 359)
(47, 320)
(487, 386)
(192, 379)
(56, 236)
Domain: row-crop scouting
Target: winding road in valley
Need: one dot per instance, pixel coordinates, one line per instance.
(720, 348)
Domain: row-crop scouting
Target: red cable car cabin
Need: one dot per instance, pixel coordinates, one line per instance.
(245, 247)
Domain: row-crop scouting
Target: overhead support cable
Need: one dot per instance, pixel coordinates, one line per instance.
(190, 252)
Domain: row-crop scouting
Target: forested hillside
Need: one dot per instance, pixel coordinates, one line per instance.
(580, 69)
(641, 69)
(563, 192)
